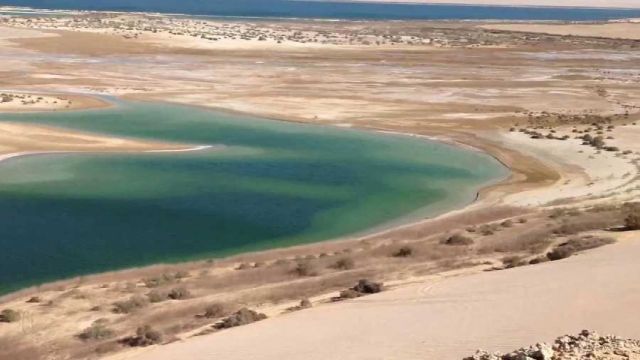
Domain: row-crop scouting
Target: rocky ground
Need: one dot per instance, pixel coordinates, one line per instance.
(586, 345)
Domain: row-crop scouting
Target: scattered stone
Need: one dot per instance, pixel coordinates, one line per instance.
(586, 345)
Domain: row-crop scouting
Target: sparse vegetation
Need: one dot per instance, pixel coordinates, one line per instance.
(345, 263)
(304, 304)
(180, 293)
(134, 303)
(145, 336)
(215, 310)
(97, 331)
(305, 268)
(241, 317)
(404, 251)
(9, 316)
(632, 221)
(458, 239)
(575, 245)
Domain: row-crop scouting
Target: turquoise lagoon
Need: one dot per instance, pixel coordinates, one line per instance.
(273, 184)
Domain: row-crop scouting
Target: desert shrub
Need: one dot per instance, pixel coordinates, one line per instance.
(181, 275)
(575, 245)
(507, 223)
(97, 331)
(345, 263)
(522, 220)
(305, 268)
(215, 310)
(538, 260)
(241, 317)
(180, 293)
(348, 294)
(9, 316)
(244, 266)
(512, 261)
(487, 230)
(164, 279)
(458, 239)
(632, 221)
(559, 253)
(304, 304)
(145, 336)
(404, 251)
(365, 286)
(134, 303)
(157, 296)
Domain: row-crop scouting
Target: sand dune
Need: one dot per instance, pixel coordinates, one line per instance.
(447, 319)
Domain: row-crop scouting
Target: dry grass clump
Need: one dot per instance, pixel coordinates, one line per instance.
(507, 223)
(632, 221)
(165, 278)
(512, 261)
(345, 263)
(241, 317)
(215, 310)
(9, 316)
(575, 245)
(34, 300)
(305, 268)
(404, 252)
(179, 293)
(97, 331)
(363, 287)
(145, 336)
(134, 303)
(458, 240)
(304, 304)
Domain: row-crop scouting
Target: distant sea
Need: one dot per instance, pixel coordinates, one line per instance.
(331, 10)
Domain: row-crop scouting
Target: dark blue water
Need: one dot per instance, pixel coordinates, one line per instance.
(332, 10)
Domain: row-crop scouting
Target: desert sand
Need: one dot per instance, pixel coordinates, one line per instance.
(617, 30)
(446, 318)
(527, 98)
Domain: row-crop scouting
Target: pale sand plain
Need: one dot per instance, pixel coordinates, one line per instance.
(465, 84)
(616, 30)
(446, 318)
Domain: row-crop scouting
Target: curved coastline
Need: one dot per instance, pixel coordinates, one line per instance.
(480, 200)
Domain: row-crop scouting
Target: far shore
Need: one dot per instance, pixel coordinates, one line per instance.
(610, 4)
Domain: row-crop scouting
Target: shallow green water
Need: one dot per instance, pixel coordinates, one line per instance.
(273, 184)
